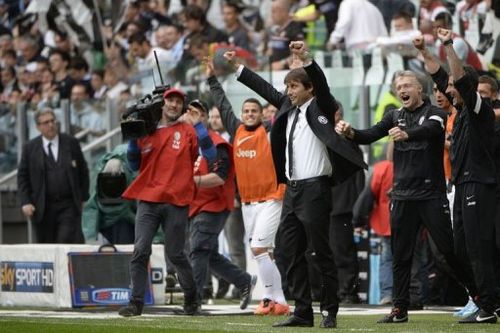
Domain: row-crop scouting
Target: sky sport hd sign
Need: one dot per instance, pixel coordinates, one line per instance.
(28, 277)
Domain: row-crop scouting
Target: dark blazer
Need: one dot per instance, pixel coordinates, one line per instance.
(343, 155)
(31, 173)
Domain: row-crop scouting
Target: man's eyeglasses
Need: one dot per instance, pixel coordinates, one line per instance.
(48, 121)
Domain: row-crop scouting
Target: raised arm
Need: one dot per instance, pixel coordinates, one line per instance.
(463, 80)
(324, 98)
(255, 82)
(229, 120)
(432, 65)
(456, 65)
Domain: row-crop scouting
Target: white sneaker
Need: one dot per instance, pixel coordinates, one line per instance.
(467, 310)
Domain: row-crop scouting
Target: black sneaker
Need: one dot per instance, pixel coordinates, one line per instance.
(497, 312)
(396, 316)
(329, 320)
(479, 317)
(246, 292)
(222, 289)
(192, 309)
(132, 309)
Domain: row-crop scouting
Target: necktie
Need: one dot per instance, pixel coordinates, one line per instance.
(290, 143)
(51, 153)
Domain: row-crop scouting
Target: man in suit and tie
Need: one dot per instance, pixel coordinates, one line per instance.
(53, 182)
(308, 156)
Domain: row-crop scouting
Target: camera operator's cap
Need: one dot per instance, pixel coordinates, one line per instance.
(174, 91)
(199, 104)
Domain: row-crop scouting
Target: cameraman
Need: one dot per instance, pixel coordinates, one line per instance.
(164, 188)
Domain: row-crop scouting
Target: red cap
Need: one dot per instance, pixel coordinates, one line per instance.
(174, 91)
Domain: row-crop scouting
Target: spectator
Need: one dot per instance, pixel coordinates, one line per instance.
(59, 62)
(194, 21)
(428, 11)
(283, 31)
(9, 81)
(359, 24)
(114, 83)
(141, 50)
(98, 86)
(9, 58)
(470, 12)
(237, 34)
(464, 50)
(53, 182)
(29, 49)
(83, 115)
(78, 72)
(170, 38)
(389, 8)
(402, 35)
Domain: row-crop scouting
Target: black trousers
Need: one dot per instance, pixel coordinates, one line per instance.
(406, 218)
(497, 239)
(345, 254)
(61, 224)
(473, 225)
(303, 238)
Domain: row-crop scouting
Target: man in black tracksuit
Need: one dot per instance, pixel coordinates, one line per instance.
(419, 190)
(473, 173)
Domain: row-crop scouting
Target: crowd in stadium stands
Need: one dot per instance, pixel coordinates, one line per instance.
(91, 56)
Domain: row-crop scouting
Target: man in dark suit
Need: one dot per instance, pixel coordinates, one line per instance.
(53, 182)
(308, 156)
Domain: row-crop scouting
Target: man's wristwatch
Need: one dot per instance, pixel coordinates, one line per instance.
(448, 42)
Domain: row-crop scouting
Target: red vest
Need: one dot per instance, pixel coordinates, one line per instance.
(381, 183)
(214, 199)
(166, 171)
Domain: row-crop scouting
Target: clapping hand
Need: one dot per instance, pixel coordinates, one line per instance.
(397, 134)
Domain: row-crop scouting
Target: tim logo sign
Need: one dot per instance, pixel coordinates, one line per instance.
(28, 277)
(111, 296)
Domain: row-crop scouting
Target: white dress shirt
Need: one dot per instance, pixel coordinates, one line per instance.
(310, 155)
(54, 147)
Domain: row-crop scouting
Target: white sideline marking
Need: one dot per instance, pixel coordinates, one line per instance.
(214, 309)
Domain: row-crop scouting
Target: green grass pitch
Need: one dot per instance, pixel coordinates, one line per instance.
(435, 323)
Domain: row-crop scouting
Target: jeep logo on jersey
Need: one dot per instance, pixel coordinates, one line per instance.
(322, 120)
(246, 153)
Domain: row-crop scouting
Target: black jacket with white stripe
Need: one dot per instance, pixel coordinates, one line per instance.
(418, 161)
(472, 152)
